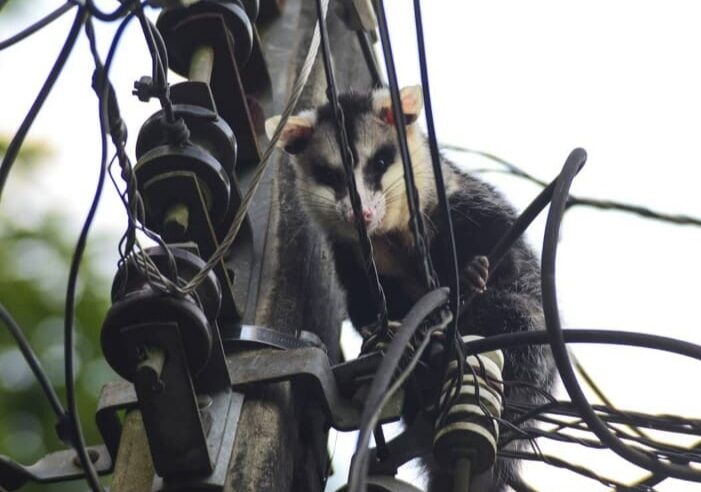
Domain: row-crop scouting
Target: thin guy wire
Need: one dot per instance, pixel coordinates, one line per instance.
(573, 200)
(297, 89)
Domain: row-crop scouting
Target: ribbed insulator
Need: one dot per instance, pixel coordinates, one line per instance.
(469, 429)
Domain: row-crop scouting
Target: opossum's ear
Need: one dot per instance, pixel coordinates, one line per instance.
(296, 132)
(412, 104)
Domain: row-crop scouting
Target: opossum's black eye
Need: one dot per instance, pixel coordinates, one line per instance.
(382, 159)
(328, 176)
(381, 165)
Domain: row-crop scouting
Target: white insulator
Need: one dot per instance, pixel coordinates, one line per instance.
(496, 356)
(470, 425)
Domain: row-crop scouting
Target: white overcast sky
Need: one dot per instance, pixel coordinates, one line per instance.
(527, 81)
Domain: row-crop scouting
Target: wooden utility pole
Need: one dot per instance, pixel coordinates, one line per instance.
(281, 438)
(281, 445)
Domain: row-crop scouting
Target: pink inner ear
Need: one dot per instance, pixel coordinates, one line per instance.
(387, 115)
(293, 133)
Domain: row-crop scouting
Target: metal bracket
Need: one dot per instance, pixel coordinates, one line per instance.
(168, 402)
(200, 227)
(222, 413)
(54, 467)
(224, 422)
(266, 337)
(310, 367)
(114, 397)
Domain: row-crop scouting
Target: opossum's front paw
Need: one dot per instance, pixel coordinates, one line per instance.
(476, 273)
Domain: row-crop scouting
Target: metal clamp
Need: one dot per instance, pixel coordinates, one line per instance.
(310, 367)
(54, 467)
(266, 337)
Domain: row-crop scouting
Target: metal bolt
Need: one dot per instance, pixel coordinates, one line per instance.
(93, 455)
(204, 401)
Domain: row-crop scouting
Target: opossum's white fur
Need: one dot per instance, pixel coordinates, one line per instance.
(388, 204)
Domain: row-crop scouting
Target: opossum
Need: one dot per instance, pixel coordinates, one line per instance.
(507, 300)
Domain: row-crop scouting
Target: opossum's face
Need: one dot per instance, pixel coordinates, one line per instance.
(311, 138)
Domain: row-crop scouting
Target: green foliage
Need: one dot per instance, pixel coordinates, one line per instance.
(34, 266)
(13, 6)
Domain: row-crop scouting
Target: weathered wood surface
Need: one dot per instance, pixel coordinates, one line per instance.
(281, 444)
(133, 470)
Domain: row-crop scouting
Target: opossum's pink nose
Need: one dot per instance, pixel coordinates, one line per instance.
(368, 215)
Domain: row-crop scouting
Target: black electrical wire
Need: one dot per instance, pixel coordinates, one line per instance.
(416, 220)
(554, 461)
(156, 47)
(609, 337)
(535, 432)
(79, 441)
(40, 24)
(557, 340)
(519, 485)
(17, 141)
(383, 378)
(448, 236)
(656, 478)
(581, 370)
(33, 362)
(132, 199)
(496, 256)
(119, 12)
(572, 201)
(160, 43)
(498, 252)
(665, 423)
(347, 157)
(370, 58)
(676, 454)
